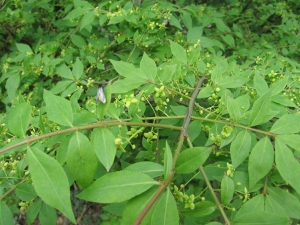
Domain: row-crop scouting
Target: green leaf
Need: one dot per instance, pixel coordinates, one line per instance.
(25, 192)
(260, 109)
(65, 72)
(167, 74)
(261, 160)
(260, 84)
(148, 66)
(6, 216)
(287, 165)
(128, 84)
(59, 109)
(233, 109)
(283, 101)
(228, 39)
(191, 159)
(221, 26)
(12, 85)
(150, 168)
(255, 204)
(279, 86)
(179, 110)
(115, 20)
(81, 159)
(78, 41)
(33, 211)
(87, 19)
(47, 215)
(135, 206)
(50, 181)
(227, 190)
(261, 217)
(128, 70)
(292, 140)
(194, 129)
(287, 124)
(205, 92)
(194, 34)
(78, 68)
(272, 206)
(231, 82)
(178, 52)
(201, 209)
(167, 161)
(240, 148)
(19, 119)
(23, 48)
(187, 19)
(175, 22)
(117, 187)
(165, 211)
(287, 201)
(104, 145)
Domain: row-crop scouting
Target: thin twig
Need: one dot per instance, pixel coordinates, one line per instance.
(182, 136)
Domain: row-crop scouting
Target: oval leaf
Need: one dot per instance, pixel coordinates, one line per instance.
(165, 211)
(179, 52)
(5, 214)
(167, 161)
(287, 124)
(227, 190)
(260, 160)
(240, 148)
(287, 165)
(148, 66)
(191, 159)
(105, 148)
(19, 119)
(59, 109)
(260, 109)
(117, 187)
(201, 209)
(81, 159)
(50, 181)
(150, 168)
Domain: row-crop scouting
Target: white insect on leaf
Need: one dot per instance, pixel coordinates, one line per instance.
(100, 95)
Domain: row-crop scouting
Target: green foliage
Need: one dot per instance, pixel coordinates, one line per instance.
(198, 121)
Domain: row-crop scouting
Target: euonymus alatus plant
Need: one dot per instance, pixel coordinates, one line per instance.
(160, 113)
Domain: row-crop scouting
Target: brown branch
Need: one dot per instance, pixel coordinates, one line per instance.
(182, 136)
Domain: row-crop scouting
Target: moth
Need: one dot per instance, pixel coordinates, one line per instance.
(100, 95)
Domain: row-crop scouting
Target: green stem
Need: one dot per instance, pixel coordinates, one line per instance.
(212, 191)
